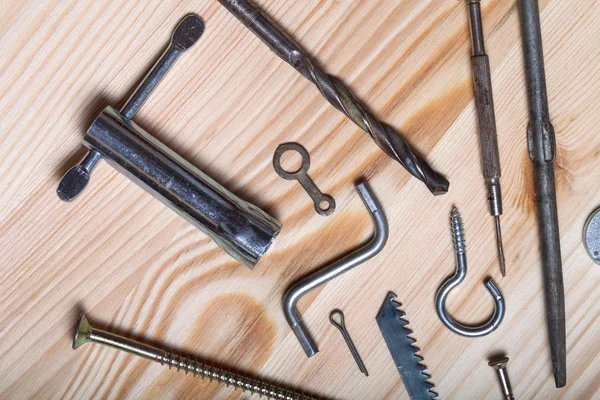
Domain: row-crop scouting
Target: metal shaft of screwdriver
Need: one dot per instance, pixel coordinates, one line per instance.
(490, 157)
(541, 141)
(336, 93)
(86, 333)
(179, 43)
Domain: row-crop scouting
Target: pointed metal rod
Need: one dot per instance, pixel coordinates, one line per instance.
(541, 141)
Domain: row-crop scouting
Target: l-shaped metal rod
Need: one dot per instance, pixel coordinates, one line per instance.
(359, 256)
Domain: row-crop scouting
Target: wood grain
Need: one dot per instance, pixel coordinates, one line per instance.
(136, 267)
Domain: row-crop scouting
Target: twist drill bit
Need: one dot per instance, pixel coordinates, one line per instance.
(336, 93)
(541, 142)
(490, 157)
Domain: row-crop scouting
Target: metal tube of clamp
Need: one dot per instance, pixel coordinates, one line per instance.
(243, 230)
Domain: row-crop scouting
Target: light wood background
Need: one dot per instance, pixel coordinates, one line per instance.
(134, 266)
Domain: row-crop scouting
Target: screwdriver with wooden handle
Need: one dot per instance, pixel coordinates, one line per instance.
(484, 99)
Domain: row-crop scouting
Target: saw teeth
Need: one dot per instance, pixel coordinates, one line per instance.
(407, 333)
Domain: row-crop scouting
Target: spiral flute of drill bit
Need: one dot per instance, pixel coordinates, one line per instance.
(337, 93)
(86, 333)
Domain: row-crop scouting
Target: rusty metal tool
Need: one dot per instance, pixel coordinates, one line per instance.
(341, 326)
(541, 142)
(86, 333)
(398, 338)
(335, 269)
(324, 203)
(338, 94)
(488, 138)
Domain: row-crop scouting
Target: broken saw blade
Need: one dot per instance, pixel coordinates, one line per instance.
(393, 326)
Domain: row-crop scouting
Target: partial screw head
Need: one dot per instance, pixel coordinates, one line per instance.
(82, 332)
(498, 363)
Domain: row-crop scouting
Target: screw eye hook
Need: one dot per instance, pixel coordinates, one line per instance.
(456, 279)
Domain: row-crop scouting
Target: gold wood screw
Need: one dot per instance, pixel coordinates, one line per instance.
(86, 333)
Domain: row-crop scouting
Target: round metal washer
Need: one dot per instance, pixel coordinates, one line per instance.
(591, 235)
(291, 146)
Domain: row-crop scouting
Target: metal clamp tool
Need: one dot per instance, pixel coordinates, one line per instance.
(241, 229)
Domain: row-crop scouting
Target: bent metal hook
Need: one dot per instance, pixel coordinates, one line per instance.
(456, 279)
(344, 264)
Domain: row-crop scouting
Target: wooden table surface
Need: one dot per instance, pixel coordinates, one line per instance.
(134, 266)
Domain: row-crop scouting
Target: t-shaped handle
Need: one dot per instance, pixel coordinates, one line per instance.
(187, 33)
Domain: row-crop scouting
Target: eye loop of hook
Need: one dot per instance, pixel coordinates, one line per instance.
(456, 279)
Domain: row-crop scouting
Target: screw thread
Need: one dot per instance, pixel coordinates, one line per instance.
(458, 234)
(228, 378)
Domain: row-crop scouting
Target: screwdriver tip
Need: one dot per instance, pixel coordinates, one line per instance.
(500, 246)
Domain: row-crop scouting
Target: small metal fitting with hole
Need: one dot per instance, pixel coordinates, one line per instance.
(324, 203)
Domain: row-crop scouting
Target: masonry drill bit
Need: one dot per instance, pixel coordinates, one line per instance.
(490, 157)
(541, 142)
(336, 93)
